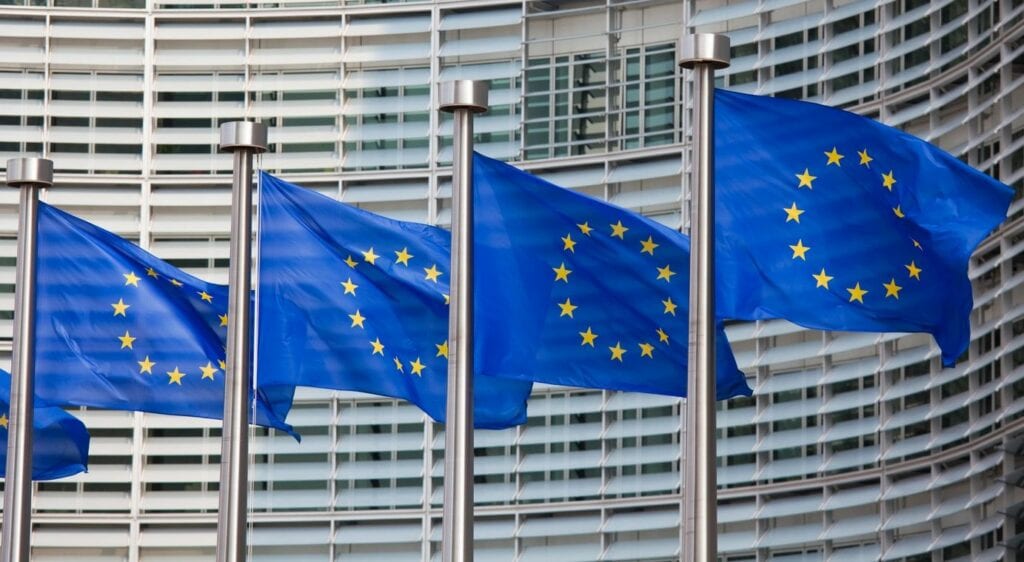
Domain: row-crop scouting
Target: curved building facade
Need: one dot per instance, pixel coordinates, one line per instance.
(854, 446)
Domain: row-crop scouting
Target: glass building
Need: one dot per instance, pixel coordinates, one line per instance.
(854, 447)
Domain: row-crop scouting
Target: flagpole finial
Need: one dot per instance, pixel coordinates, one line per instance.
(704, 48)
(243, 135)
(464, 94)
(30, 172)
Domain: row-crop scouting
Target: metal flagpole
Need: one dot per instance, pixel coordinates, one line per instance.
(703, 53)
(463, 98)
(244, 139)
(28, 174)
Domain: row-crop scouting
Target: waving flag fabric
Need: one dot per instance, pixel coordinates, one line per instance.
(350, 300)
(118, 328)
(576, 291)
(837, 222)
(60, 442)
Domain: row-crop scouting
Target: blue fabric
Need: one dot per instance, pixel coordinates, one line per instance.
(60, 442)
(554, 267)
(350, 300)
(119, 328)
(816, 205)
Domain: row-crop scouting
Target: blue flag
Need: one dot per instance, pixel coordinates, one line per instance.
(837, 222)
(350, 300)
(60, 442)
(118, 328)
(579, 292)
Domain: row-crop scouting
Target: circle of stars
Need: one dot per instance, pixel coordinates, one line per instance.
(358, 321)
(563, 274)
(822, 279)
(128, 341)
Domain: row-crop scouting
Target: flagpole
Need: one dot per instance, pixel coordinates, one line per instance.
(28, 174)
(463, 98)
(243, 139)
(703, 53)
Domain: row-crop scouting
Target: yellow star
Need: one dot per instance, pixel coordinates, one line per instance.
(585, 228)
(914, 271)
(822, 279)
(799, 250)
(888, 180)
(662, 336)
(378, 348)
(205, 296)
(120, 308)
(646, 350)
(350, 287)
(617, 352)
(126, 340)
(152, 272)
(892, 289)
(223, 365)
(146, 366)
(561, 273)
(666, 273)
(4, 421)
(176, 283)
(398, 365)
(223, 319)
(370, 257)
(403, 257)
(648, 246)
(619, 231)
(834, 157)
(432, 273)
(793, 213)
(898, 212)
(857, 294)
(176, 376)
(917, 244)
(588, 337)
(351, 262)
(447, 298)
(568, 243)
(357, 320)
(567, 308)
(417, 367)
(442, 349)
(131, 279)
(864, 158)
(805, 179)
(208, 371)
(670, 307)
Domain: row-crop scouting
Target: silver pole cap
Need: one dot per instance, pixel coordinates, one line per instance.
(704, 48)
(464, 94)
(30, 172)
(243, 135)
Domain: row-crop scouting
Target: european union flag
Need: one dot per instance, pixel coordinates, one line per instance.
(118, 328)
(837, 222)
(350, 300)
(579, 292)
(60, 442)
